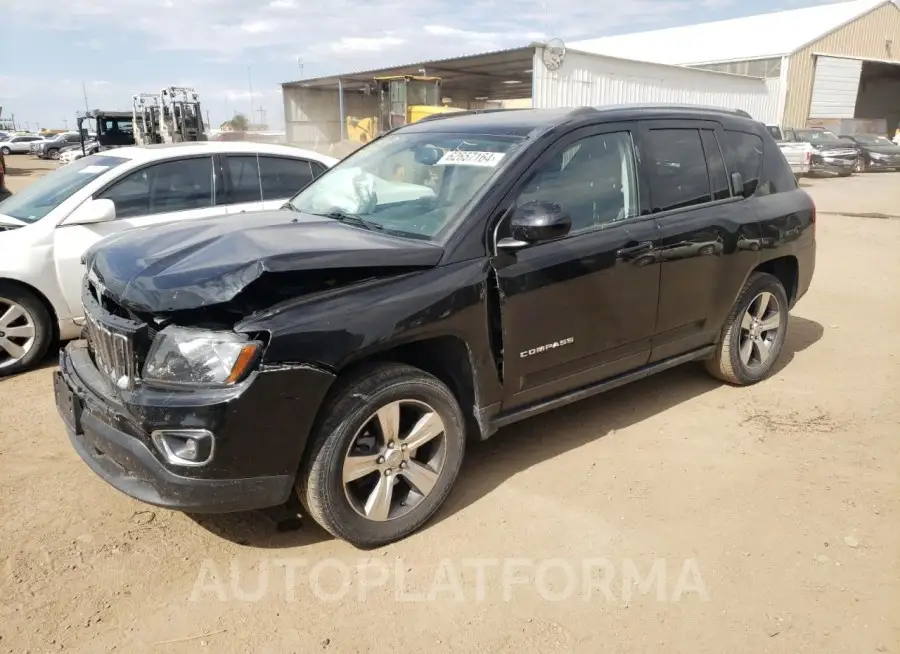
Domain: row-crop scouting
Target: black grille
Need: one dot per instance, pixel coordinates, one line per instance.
(116, 337)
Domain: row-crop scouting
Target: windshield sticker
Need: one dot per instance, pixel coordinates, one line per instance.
(93, 170)
(463, 158)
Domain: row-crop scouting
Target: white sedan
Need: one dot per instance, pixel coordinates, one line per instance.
(45, 228)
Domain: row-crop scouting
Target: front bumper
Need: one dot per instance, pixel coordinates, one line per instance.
(261, 431)
(883, 164)
(827, 165)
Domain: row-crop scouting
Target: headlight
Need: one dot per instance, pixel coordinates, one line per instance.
(180, 355)
(877, 155)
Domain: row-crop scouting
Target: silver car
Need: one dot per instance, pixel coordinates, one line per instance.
(18, 144)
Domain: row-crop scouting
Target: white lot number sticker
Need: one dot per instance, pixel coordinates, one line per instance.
(93, 170)
(463, 158)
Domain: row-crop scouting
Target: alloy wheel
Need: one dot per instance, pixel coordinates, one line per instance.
(17, 332)
(395, 460)
(759, 330)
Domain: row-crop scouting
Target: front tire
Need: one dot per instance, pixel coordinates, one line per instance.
(384, 454)
(53, 154)
(25, 330)
(6, 151)
(754, 332)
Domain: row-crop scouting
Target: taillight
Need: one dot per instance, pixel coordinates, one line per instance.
(808, 157)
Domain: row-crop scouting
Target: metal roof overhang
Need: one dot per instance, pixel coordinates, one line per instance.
(488, 75)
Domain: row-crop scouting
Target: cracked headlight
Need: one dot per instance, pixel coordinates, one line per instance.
(181, 355)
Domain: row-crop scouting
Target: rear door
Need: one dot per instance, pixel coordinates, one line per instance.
(700, 221)
(282, 178)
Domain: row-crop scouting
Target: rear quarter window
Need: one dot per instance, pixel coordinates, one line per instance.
(746, 151)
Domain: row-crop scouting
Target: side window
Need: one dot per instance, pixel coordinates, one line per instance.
(718, 177)
(677, 169)
(593, 178)
(169, 186)
(747, 154)
(244, 174)
(317, 169)
(282, 177)
(130, 195)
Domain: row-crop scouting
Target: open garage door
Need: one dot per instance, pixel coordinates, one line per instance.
(835, 87)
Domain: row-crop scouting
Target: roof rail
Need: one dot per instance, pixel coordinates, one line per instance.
(466, 112)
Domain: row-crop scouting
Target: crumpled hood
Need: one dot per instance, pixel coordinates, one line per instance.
(200, 263)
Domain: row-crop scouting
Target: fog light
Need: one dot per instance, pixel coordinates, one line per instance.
(185, 447)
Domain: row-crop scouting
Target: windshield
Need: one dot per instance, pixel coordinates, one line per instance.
(873, 139)
(816, 135)
(40, 198)
(412, 184)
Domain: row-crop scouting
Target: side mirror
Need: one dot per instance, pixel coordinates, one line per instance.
(91, 212)
(737, 184)
(536, 222)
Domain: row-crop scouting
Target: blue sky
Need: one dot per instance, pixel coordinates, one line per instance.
(121, 47)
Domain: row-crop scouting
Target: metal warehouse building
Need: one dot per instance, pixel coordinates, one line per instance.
(535, 75)
(832, 63)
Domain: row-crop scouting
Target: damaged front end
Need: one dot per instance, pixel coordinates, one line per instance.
(166, 400)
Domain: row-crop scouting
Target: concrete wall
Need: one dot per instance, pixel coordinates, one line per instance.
(864, 37)
(594, 80)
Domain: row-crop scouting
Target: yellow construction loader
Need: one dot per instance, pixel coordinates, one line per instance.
(402, 99)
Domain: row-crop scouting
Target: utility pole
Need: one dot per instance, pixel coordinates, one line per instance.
(262, 117)
(250, 84)
(84, 91)
(66, 123)
(208, 124)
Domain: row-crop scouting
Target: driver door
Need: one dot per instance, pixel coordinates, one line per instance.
(581, 308)
(169, 191)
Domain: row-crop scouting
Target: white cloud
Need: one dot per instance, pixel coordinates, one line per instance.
(350, 44)
(428, 29)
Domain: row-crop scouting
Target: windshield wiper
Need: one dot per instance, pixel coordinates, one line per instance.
(351, 219)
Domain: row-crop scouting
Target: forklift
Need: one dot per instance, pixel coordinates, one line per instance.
(402, 99)
(146, 118)
(114, 129)
(181, 119)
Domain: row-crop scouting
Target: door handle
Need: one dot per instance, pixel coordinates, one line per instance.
(632, 251)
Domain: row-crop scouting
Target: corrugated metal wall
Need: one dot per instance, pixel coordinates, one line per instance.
(865, 37)
(593, 80)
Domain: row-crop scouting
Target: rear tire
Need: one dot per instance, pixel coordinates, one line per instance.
(365, 478)
(754, 332)
(25, 325)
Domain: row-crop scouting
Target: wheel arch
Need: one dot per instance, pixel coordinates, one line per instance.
(51, 311)
(448, 358)
(787, 270)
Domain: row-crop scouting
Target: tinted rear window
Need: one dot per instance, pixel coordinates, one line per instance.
(747, 156)
(678, 174)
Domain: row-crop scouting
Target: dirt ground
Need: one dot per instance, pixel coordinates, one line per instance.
(770, 516)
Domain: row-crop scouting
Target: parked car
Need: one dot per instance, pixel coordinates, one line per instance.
(49, 148)
(798, 154)
(70, 153)
(51, 223)
(832, 154)
(18, 144)
(876, 152)
(348, 345)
